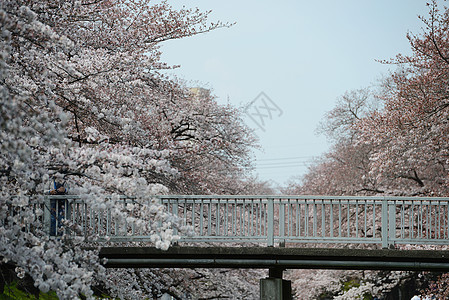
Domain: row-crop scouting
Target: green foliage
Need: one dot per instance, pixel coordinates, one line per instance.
(355, 283)
(11, 291)
(367, 296)
(325, 295)
(347, 285)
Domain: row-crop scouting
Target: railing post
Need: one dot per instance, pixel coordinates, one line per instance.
(315, 220)
(282, 223)
(68, 213)
(175, 213)
(270, 222)
(161, 202)
(384, 219)
(85, 223)
(391, 223)
(47, 215)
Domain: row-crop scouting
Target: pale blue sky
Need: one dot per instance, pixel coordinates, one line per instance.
(302, 54)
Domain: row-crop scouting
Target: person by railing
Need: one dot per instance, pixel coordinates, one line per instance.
(57, 209)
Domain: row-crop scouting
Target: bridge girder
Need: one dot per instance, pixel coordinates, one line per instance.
(274, 257)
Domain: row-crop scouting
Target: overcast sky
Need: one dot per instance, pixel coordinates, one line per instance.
(302, 55)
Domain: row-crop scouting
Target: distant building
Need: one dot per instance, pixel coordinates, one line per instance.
(199, 93)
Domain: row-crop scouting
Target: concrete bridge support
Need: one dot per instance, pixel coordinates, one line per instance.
(274, 287)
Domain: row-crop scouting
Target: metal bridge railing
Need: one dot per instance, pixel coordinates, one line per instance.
(72, 216)
(265, 219)
(313, 219)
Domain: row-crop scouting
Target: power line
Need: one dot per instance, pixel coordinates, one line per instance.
(286, 158)
(284, 163)
(300, 164)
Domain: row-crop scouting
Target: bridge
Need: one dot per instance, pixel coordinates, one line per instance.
(264, 225)
(274, 220)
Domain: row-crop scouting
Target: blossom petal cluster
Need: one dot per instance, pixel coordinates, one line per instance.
(84, 102)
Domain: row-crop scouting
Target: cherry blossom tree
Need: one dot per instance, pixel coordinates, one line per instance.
(405, 136)
(410, 133)
(399, 147)
(210, 144)
(345, 169)
(84, 101)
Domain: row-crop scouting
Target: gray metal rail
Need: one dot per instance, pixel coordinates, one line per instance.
(271, 219)
(313, 219)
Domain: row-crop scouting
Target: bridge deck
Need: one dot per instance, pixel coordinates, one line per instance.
(273, 257)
